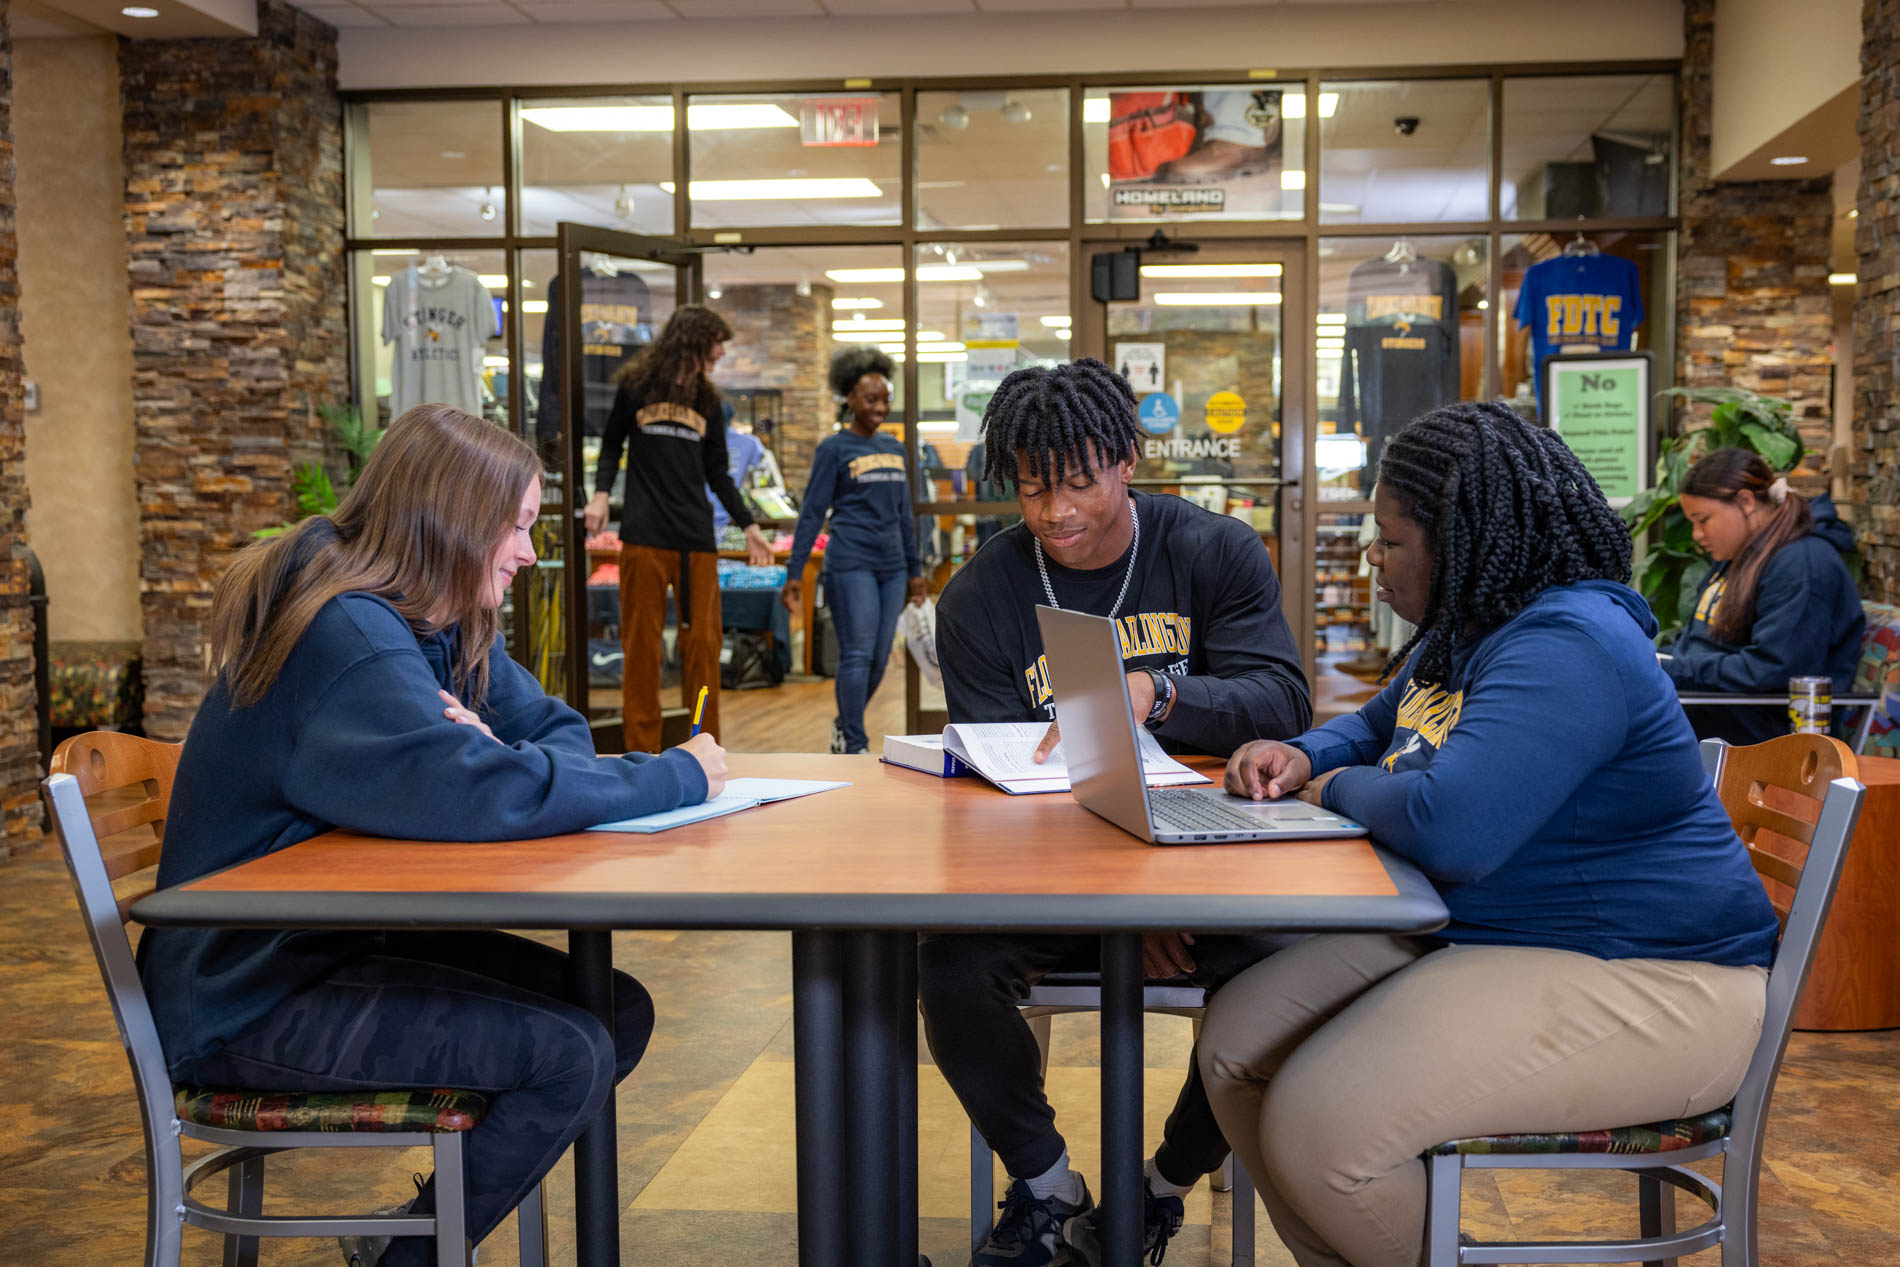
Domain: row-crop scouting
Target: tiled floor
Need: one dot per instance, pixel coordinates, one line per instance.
(706, 1121)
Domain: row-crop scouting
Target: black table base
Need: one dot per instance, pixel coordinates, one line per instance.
(596, 1153)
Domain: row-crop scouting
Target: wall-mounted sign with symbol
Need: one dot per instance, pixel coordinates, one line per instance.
(1158, 413)
(1226, 413)
(1144, 365)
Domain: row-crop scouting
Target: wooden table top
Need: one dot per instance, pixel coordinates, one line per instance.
(896, 849)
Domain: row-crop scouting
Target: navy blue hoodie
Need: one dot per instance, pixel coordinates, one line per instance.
(863, 483)
(352, 735)
(1808, 622)
(1553, 792)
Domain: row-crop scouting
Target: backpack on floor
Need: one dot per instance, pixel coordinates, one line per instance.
(747, 663)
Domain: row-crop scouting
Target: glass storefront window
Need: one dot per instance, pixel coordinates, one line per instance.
(1400, 332)
(795, 159)
(604, 161)
(1198, 152)
(1596, 292)
(993, 159)
(429, 329)
(1399, 151)
(424, 169)
(1595, 145)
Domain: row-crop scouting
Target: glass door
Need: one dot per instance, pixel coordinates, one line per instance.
(610, 295)
(1220, 390)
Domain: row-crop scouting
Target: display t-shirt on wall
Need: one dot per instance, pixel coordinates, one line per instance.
(439, 322)
(616, 322)
(1401, 353)
(1578, 299)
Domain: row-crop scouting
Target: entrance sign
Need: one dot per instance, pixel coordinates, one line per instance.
(1600, 405)
(1144, 365)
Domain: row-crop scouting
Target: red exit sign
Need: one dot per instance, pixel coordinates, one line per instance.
(846, 121)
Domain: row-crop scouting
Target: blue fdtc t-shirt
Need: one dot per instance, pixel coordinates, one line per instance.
(1552, 791)
(1578, 299)
(865, 483)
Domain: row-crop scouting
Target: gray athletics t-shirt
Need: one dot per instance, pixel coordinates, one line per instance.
(440, 323)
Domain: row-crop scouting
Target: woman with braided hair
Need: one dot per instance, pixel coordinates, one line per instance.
(859, 475)
(1605, 960)
(1778, 602)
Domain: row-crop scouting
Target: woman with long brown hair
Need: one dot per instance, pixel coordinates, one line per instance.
(361, 684)
(667, 416)
(1778, 602)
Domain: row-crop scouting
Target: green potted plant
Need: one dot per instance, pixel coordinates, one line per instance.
(1672, 566)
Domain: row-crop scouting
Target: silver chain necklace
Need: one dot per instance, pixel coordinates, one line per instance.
(1134, 551)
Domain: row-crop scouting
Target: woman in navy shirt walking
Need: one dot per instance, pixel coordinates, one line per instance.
(861, 477)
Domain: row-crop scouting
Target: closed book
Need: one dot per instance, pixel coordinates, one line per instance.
(923, 752)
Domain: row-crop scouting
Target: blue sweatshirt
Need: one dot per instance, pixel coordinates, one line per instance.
(865, 484)
(1808, 622)
(352, 735)
(1553, 792)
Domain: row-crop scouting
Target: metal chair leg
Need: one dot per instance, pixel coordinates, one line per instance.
(1244, 1211)
(982, 1187)
(247, 1197)
(1442, 1211)
(1740, 1178)
(1223, 1180)
(532, 1228)
(451, 1196)
(1656, 1205)
(1039, 1026)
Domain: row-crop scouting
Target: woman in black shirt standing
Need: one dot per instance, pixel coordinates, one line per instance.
(666, 415)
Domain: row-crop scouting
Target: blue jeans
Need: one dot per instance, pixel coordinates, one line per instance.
(864, 609)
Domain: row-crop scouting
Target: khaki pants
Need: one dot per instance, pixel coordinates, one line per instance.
(1334, 1064)
(645, 574)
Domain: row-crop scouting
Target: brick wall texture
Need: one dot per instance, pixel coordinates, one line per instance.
(19, 728)
(1752, 304)
(782, 339)
(1875, 467)
(234, 214)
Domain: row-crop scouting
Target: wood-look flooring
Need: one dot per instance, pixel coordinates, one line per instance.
(705, 1121)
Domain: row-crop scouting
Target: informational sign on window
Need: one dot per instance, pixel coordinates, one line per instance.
(838, 122)
(1600, 405)
(1144, 365)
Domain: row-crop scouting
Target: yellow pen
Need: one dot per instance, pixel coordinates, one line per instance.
(699, 709)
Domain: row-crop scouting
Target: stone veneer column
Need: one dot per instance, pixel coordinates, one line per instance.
(1875, 475)
(782, 339)
(1752, 303)
(19, 727)
(234, 211)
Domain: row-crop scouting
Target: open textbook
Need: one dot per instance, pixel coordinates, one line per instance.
(1005, 752)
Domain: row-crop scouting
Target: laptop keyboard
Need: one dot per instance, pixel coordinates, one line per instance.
(1180, 810)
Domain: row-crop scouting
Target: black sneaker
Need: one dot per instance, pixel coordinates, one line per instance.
(1160, 1220)
(1028, 1233)
(837, 737)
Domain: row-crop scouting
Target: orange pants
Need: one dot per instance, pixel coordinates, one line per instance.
(645, 574)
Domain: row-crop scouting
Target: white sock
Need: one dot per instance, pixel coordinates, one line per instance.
(1059, 1182)
(1160, 1186)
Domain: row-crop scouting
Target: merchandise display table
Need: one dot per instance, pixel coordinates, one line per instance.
(854, 874)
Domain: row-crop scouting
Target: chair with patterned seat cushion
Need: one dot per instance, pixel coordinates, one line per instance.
(128, 782)
(1794, 801)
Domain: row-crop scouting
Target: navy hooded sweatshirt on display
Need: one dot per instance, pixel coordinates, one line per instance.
(352, 735)
(1808, 623)
(1553, 792)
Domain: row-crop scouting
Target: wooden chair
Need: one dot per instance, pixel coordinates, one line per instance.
(129, 781)
(1794, 801)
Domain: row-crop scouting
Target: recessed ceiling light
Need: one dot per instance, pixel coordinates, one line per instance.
(1842, 279)
(1788, 160)
(138, 11)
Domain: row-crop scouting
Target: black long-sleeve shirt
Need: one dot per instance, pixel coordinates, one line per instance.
(1202, 606)
(674, 453)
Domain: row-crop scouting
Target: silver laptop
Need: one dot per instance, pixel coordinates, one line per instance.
(1098, 740)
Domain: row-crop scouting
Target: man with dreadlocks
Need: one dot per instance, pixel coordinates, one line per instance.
(1211, 665)
(1605, 958)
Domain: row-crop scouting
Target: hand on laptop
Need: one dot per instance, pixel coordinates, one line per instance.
(1267, 769)
(1165, 955)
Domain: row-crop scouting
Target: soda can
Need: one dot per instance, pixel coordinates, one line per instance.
(1810, 705)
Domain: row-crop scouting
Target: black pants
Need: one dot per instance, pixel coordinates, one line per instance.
(473, 1011)
(970, 987)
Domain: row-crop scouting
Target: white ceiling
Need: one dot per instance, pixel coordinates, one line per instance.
(474, 13)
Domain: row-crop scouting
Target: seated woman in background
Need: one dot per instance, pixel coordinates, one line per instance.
(859, 476)
(1779, 602)
(1604, 960)
(362, 684)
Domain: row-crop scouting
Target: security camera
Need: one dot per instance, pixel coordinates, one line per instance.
(1405, 124)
